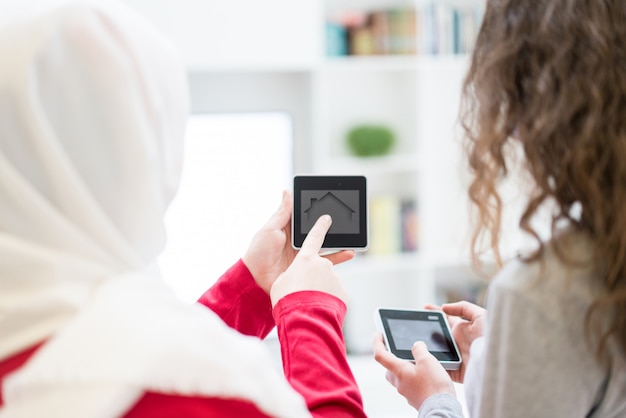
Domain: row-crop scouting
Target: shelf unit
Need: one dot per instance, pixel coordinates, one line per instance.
(418, 97)
(277, 61)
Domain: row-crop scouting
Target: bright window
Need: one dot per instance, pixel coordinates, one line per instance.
(235, 169)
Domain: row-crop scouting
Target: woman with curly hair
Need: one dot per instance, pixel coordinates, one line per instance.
(547, 78)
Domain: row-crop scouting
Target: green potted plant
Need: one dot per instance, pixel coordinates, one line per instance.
(370, 140)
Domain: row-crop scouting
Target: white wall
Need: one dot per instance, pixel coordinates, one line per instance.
(240, 34)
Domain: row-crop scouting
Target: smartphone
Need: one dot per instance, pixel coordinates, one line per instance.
(402, 328)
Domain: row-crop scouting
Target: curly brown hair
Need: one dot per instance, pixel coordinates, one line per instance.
(550, 77)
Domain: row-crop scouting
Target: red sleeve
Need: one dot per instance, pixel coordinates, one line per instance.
(314, 353)
(240, 302)
(159, 405)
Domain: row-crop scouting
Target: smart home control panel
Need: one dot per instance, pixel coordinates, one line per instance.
(402, 328)
(344, 198)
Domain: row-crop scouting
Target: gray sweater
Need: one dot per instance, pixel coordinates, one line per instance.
(534, 359)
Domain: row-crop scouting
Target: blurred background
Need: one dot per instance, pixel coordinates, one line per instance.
(367, 87)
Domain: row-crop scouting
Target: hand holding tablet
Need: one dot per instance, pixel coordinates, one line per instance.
(309, 270)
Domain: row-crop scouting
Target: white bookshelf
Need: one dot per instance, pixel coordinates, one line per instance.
(245, 55)
(418, 96)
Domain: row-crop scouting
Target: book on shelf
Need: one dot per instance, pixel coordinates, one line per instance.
(336, 40)
(409, 219)
(447, 29)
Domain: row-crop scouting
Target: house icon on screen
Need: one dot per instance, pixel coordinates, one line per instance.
(332, 205)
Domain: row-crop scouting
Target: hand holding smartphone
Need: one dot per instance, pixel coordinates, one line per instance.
(402, 328)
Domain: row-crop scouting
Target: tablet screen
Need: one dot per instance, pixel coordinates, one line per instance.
(341, 205)
(405, 332)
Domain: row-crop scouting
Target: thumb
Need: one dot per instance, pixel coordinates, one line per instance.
(281, 217)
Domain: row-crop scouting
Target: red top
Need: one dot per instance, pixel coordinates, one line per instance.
(312, 348)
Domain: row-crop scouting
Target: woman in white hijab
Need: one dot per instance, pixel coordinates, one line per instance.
(93, 104)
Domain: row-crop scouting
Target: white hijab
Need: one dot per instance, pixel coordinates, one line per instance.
(93, 104)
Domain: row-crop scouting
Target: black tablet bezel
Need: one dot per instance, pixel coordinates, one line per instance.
(358, 242)
(450, 358)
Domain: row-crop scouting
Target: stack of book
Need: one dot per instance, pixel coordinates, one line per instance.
(434, 28)
(445, 29)
(385, 32)
(393, 225)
